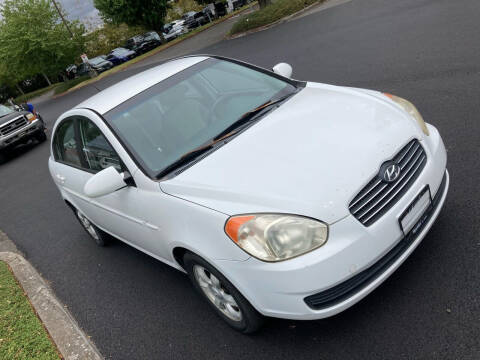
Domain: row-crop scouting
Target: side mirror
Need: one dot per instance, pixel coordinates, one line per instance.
(283, 69)
(104, 182)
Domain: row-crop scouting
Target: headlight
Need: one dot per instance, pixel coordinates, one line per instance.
(31, 117)
(412, 110)
(276, 237)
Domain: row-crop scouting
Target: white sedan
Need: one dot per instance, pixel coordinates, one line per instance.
(278, 197)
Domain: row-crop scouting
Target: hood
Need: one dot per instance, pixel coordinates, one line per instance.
(309, 157)
(13, 115)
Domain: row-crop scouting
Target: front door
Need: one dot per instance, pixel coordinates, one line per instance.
(81, 150)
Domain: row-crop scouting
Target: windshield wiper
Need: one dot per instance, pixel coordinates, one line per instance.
(246, 118)
(225, 134)
(184, 160)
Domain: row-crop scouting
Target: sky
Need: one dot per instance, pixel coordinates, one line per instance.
(82, 10)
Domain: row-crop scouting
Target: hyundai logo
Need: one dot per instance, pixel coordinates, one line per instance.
(390, 172)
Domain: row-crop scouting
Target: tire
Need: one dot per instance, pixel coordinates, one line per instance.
(3, 157)
(41, 137)
(100, 237)
(229, 304)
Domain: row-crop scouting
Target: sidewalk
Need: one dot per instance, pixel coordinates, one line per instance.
(70, 340)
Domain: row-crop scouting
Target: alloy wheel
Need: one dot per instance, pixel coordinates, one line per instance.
(88, 226)
(216, 293)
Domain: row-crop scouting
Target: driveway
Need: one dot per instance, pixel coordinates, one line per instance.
(134, 307)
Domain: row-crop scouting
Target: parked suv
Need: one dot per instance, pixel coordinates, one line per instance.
(19, 127)
(195, 19)
(201, 18)
(141, 44)
(153, 37)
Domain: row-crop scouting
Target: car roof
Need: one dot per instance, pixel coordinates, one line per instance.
(115, 95)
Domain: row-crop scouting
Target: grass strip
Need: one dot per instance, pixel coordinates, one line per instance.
(270, 14)
(62, 87)
(25, 97)
(22, 335)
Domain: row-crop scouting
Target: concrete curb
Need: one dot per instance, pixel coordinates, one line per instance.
(70, 340)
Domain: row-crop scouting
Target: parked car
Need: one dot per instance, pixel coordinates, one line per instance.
(237, 4)
(141, 45)
(170, 33)
(120, 55)
(181, 24)
(19, 126)
(202, 18)
(153, 37)
(174, 29)
(220, 9)
(277, 197)
(83, 69)
(208, 14)
(71, 71)
(100, 64)
(193, 19)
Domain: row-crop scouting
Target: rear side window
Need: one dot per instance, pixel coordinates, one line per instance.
(65, 144)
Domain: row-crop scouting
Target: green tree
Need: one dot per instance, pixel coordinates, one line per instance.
(149, 14)
(33, 40)
(9, 79)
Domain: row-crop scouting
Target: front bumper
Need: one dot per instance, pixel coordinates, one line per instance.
(22, 135)
(330, 273)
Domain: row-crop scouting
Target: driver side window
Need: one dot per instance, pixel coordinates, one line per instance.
(65, 144)
(97, 151)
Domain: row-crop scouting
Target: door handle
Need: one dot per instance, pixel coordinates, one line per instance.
(60, 179)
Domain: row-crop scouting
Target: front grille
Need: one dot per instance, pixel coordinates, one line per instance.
(12, 126)
(348, 288)
(378, 196)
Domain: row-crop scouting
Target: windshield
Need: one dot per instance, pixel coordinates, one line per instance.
(96, 61)
(5, 110)
(190, 109)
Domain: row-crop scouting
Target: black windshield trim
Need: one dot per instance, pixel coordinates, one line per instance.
(295, 83)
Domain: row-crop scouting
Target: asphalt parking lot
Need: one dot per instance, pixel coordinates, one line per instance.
(134, 307)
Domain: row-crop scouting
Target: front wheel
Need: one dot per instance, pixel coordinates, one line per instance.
(101, 238)
(225, 299)
(3, 157)
(42, 136)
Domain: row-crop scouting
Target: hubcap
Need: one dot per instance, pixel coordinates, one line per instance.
(88, 225)
(216, 293)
